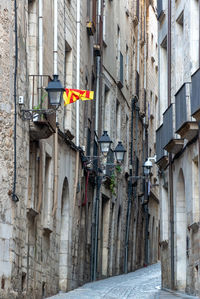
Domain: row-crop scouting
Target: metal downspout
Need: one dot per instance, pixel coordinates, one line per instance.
(130, 190)
(14, 196)
(98, 187)
(78, 23)
(170, 155)
(55, 70)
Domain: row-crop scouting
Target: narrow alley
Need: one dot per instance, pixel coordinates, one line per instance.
(143, 283)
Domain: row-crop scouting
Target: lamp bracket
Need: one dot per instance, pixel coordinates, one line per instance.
(30, 114)
(152, 158)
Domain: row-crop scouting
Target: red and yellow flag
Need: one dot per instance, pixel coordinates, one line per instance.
(72, 95)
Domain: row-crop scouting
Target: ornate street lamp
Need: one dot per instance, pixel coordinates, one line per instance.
(55, 91)
(119, 152)
(105, 143)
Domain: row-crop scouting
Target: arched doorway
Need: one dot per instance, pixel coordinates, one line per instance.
(64, 238)
(181, 233)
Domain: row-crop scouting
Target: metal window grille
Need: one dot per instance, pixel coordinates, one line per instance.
(95, 154)
(88, 142)
(121, 68)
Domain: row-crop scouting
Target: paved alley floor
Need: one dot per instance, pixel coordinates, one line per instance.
(143, 283)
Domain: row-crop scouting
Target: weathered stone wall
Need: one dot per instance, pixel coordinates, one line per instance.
(45, 238)
(185, 39)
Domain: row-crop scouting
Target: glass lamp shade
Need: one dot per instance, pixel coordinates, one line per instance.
(105, 147)
(147, 167)
(119, 152)
(55, 91)
(105, 143)
(55, 97)
(146, 170)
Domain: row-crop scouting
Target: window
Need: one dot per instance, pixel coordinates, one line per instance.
(121, 74)
(88, 141)
(118, 121)
(48, 189)
(179, 50)
(107, 104)
(163, 75)
(104, 22)
(127, 140)
(127, 67)
(34, 173)
(68, 73)
(118, 51)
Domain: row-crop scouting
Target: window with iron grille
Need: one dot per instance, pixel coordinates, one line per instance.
(95, 153)
(121, 68)
(137, 84)
(88, 142)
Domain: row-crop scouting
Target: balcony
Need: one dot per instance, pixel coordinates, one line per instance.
(162, 158)
(42, 125)
(195, 97)
(186, 126)
(171, 143)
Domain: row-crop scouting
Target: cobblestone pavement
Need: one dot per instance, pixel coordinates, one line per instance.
(143, 283)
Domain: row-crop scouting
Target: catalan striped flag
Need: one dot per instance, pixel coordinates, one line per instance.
(72, 95)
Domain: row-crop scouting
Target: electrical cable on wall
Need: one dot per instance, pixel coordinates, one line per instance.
(14, 196)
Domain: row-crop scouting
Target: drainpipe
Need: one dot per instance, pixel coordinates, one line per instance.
(78, 24)
(170, 155)
(40, 33)
(98, 187)
(130, 190)
(95, 265)
(55, 50)
(55, 69)
(145, 155)
(98, 61)
(146, 207)
(14, 196)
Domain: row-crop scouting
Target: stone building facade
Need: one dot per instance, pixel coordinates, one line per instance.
(178, 143)
(66, 217)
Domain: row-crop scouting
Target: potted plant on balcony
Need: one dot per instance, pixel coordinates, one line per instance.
(36, 116)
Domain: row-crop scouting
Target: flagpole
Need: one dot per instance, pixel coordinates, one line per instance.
(78, 71)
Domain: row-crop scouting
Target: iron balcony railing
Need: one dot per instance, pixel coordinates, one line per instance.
(160, 152)
(182, 104)
(38, 97)
(195, 96)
